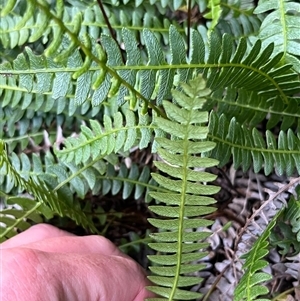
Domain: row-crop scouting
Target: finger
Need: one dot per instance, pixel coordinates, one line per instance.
(34, 234)
(92, 244)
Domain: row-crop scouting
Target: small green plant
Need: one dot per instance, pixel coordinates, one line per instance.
(78, 94)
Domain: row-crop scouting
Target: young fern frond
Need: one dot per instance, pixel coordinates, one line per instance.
(250, 287)
(281, 27)
(186, 196)
(116, 135)
(214, 13)
(41, 193)
(248, 147)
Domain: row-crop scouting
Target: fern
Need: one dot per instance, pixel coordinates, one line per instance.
(65, 78)
(184, 198)
(281, 27)
(88, 20)
(249, 287)
(251, 111)
(237, 19)
(43, 195)
(220, 66)
(116, 136)
(292, 215)
(248, 148)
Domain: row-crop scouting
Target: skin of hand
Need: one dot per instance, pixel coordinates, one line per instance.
(44, 263)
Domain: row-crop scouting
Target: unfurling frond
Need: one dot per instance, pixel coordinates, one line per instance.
(187, 193)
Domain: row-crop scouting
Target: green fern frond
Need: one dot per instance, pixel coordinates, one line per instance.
(292, 215)
(250, 109)
(281, 26)
(128, 181)
(224, 67)
(20, 127)
(187, 195)
(41, 192)
(237, 19)
(250, 287)
(18, 211)
(68, 179)
(249, 148)
(115, 135)
(81, 21)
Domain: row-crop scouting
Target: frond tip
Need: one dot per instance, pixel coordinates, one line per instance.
(186, 196)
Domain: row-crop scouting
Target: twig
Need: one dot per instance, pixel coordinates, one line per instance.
(111, 30)
(189, 27)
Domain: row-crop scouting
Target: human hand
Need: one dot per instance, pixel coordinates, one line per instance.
(44, 263)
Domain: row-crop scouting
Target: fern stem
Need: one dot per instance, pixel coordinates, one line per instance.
(112, 32)
(284, 294)
(144, 241)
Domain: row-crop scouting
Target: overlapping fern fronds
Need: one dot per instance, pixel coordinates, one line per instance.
(97, 176)
(187, 194)
(250, 110)
(223, 67)
(237, 19)
(87, 19)
(45, 198)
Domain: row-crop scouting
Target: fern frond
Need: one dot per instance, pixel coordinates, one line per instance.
(251, 109)
(115, 135)
(224, 67)
(41, 192)
(281, 26)
(96, 176)
(250, 287)
(84, 21)
(237, 19)
(292, 215)
(128, 181)
(249, 148)
(18, 211)
(186, 195)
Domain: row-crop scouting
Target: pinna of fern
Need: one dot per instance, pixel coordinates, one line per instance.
(186, 196)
